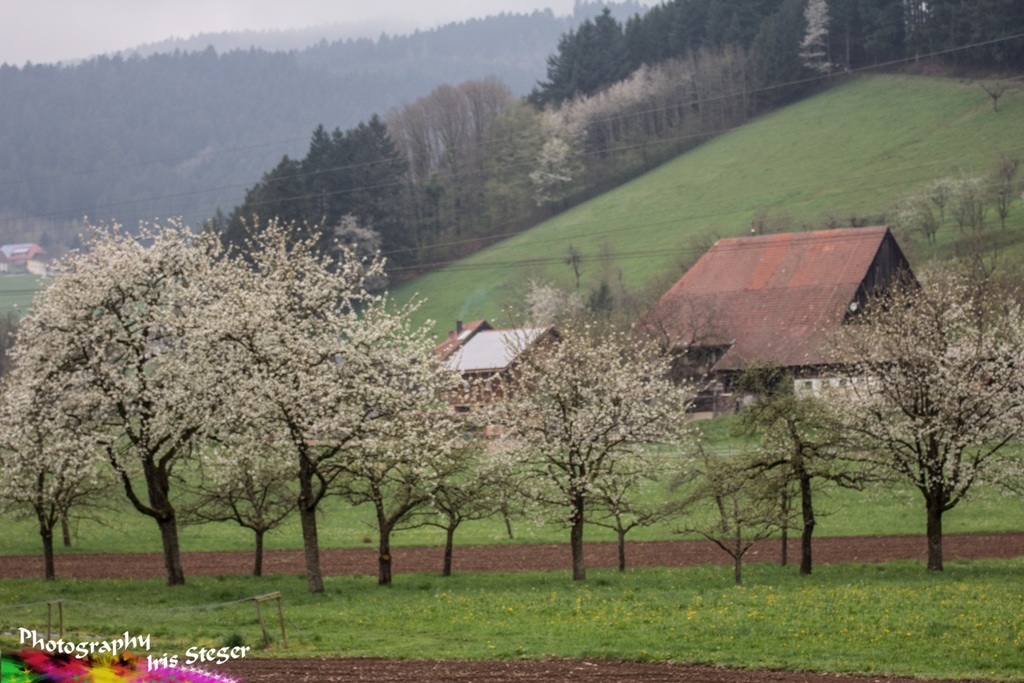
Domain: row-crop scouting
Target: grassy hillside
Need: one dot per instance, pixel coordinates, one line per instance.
(846, 152)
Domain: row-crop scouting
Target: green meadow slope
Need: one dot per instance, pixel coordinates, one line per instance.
(849, 151)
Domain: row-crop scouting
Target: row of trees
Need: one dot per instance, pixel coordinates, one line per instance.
(466, 164)
(147, 350)
(353, 174)
(216, 387)
(706, 66)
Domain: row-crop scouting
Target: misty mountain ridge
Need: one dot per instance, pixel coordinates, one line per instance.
(322, 36)
(185, 133)
(276, 40)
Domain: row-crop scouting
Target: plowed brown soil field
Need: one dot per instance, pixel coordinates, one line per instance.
(539, 557)
(517, 671)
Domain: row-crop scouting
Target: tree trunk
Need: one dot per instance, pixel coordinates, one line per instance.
(172, 551)
(65, 530)
(384, 557)
(46, 533)
(257, 569)
(622, 549)
(579, 568)
(449, 543)
(737, 558)
(508, 524)
(849, 61)
(160, 509)
(934, 535)
(785, 504)
(310, 538)
(311, 548)
(807, 511)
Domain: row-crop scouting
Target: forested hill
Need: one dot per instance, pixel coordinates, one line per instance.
(185, 133)
(457, 158)
(472, 163)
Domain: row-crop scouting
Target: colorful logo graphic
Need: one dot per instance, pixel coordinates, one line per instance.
(34, 666)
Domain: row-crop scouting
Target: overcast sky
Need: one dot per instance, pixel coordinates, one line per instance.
(44, 31)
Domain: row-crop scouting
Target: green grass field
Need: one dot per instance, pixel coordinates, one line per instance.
(848, 151)
(16, 292)
(882, 619)
(895, 618)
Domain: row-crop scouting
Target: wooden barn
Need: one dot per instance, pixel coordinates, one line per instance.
(771, 300)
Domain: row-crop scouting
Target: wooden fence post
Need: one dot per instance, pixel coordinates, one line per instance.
(280, 615)
(49, 618)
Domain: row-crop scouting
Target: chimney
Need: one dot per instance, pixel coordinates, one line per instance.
(458, 327)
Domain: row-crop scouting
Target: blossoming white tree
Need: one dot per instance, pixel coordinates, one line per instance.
(814, 46)
(112, 348)
(555, 170)
(325, 374)
(937, 389)
(579, 410)
(48, 465)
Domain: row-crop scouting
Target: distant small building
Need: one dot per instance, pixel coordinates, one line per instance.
(771, 300)
(24, 258)
(486, 357)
